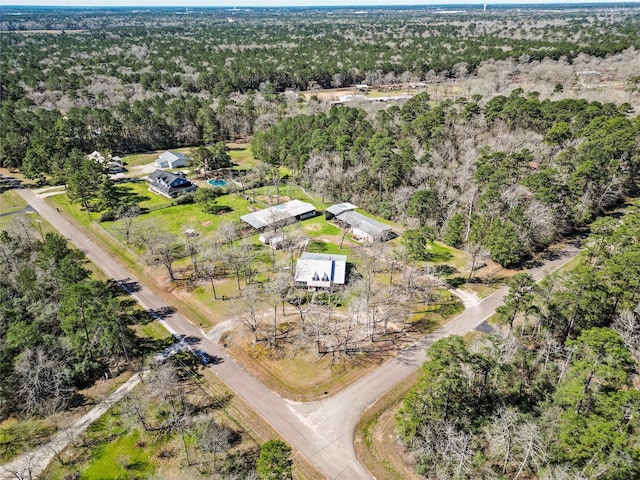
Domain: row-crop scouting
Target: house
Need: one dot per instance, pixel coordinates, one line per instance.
(335, 210)
(172, 160)
(169, 184)
(320, 270)
(279, 215)
(275, 239)
(364, 228)
(112, 164)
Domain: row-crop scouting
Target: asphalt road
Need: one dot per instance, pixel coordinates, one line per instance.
(321, 431)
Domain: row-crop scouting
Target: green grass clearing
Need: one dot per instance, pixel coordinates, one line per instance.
(126, 457)
(10, 201)
(17, 437)
(140, 159)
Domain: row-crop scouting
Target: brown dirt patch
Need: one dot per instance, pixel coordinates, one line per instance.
(206, 223)
(299, 375)
(273, 199)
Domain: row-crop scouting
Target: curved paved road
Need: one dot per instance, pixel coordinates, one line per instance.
(321, 431)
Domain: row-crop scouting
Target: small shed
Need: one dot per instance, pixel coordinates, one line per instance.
(275, 239)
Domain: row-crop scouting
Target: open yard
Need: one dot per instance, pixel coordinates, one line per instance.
(242, 155)
(295, 369)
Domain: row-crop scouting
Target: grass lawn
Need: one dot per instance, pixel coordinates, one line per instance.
(18, 436)
(126, 457)
(139, 159)
(301, 375)
(290, 191)
(320, 227)
(117, 447)
(321, 246)
(177, 218)
(139, 192)
(11, 201)
(156, 332)
(304, 377)
(242, 155)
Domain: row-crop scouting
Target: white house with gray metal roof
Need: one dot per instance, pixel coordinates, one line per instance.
(365, 228)
(320, 270)
(279, 215)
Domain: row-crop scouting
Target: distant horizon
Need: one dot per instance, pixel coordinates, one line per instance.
(294, 3)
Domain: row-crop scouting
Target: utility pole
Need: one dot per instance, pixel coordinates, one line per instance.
(40, 225)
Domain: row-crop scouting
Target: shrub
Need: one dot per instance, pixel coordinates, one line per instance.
(184, 199)
(107, 216)
(216, 209)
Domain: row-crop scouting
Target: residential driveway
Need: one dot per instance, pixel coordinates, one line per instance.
(321, 431)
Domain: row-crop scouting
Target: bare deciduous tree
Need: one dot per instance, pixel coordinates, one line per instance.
(216, 438)
(42, 382)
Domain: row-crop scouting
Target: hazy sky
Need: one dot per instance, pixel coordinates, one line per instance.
(272, 3)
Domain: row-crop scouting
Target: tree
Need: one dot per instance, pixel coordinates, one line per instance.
(90, 315)
(417, 240)
(216, 438)
(43, 381)
(127, 215)
(442, 392)
(423, 206)
(274, 462)
(211, 268)
(521, 296)
(277, 291)
(599, 407)
(84, 178)
(165, 249)
(249, 315)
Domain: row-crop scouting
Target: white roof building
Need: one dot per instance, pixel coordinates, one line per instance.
(172, 160)
(364, 227)
(278, 215)
(320, 270)
(338, 208)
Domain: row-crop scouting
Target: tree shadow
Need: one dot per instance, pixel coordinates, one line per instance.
(127, 196)
(162, 312)
(126, 285)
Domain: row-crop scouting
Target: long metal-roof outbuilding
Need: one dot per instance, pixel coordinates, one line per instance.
(365, 227)
(282, 214)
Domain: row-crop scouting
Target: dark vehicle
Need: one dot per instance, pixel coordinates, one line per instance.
(204, 357)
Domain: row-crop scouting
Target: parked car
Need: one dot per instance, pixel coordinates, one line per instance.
(204, 357)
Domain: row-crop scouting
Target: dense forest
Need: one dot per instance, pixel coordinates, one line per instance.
(60, 329)
(508, 178)
(134, 80)
(555, 398)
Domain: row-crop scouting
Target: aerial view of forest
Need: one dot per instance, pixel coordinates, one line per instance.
(470, 173)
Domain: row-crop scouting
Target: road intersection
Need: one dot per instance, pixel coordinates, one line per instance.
(322, 431)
